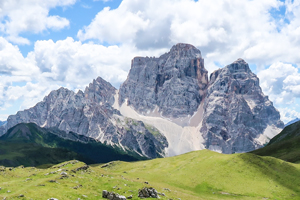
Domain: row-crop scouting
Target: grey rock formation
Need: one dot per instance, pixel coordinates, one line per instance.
(91, 114)
(148, 193)
(112, 195)
(236, 112)
(175, 82)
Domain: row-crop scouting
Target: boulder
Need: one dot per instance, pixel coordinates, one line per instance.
(148, 192)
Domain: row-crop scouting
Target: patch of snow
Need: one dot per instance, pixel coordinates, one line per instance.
(116, 103)
(45, 124)
(270, 132)
(250, 103)
(181, 139)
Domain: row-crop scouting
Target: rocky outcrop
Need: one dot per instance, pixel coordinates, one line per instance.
(148, 193)
(238, 117)
(112, 195)
(91, 114)
(172, 85)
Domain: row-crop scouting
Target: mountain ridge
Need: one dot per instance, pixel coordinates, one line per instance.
(167, 106)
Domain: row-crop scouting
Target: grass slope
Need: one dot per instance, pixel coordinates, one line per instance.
(30, 145)
(285, 145)
(195, 175)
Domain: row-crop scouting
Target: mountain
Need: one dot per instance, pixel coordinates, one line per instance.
(285, 145)
(196, 175)
(167, 106)
(59, 145)
(91, 114)
(229, 113)
(172, 85)
(291, 122)
(238, 117)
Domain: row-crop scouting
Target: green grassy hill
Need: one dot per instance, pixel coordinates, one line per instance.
(31, 145)
(195, 175)
(285, 145)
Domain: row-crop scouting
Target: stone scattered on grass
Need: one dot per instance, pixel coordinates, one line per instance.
(162, 194)
(107, 164)
(83, 168)
(21, 195)
(148, 192)
(129, 197)
(53, 199)
(112, 195)
(78, 186)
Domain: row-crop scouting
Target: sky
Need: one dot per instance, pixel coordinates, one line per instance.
(49, 44)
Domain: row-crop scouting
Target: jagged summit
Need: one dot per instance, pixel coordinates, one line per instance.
(172, 85)
(100, 91)
(238, 117)
(182, 48)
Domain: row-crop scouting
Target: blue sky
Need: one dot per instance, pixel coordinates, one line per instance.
(48, 44)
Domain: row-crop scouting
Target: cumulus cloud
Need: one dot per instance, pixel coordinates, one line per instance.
(288, 114)
(281, 81)
(30, 16)
(222, 30)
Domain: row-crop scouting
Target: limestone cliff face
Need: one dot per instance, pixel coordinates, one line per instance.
(238, 117)
(174, 83)
(91, 114)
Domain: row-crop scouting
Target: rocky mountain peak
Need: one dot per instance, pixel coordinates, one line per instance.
(239, 66)
(172, 85)
(183, 49)
(100, 91)
(61, 92)
(238, 117)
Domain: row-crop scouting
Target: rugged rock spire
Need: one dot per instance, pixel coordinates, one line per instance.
(174, 83)
(238, 117)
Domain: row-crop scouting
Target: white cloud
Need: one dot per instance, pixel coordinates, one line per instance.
(223, 30)
(30, 16)
(281, 82)
(288, 114)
